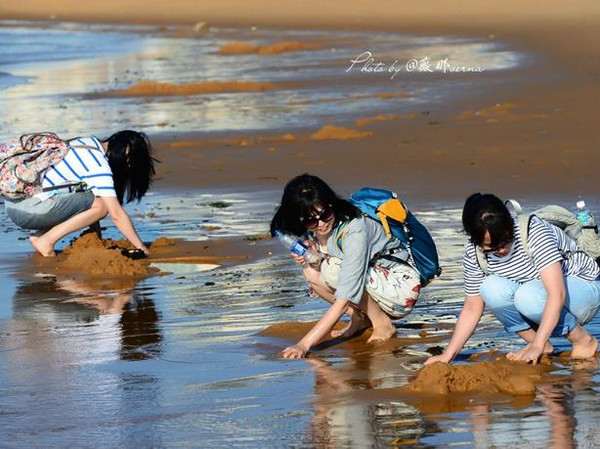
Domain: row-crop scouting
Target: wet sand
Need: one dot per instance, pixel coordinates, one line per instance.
(489, 373)
(522, 138)
(153, 88)
(465, 147)
(88, 255)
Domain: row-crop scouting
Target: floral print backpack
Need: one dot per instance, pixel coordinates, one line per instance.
(23, 163)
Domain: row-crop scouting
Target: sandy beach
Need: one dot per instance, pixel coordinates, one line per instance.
(238, 97)
(499, 142)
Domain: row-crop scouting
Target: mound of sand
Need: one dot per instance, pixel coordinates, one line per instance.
(245, 48)
(497, 376)
(502, 112)
(155, 88)
(364, 121)
(330, 132)
(288, 137)
(90, 255)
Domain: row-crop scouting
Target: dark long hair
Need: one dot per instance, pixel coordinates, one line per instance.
(486, 212)
(130, 157)
(301, 198)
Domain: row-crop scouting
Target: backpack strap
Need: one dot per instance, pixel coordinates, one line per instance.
(515, 206)
(523, 222)
(82, 146)
(481, 260)
(340, 234)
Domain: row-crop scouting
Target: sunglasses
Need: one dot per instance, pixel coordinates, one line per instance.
(313, 221)
(499, 247)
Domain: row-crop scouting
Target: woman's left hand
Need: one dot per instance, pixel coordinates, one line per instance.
(294, 352)
(529, 353)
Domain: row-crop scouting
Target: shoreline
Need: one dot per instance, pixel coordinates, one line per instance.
(441, 155)
(537, 24)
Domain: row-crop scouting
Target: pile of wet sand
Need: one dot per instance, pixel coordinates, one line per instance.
(155, 88)
(488, 373)
(91, 255)
(330, 132)
(245, 48)
(497, 376)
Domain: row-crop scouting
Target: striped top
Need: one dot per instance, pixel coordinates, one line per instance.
(547, 243)
(85, 161)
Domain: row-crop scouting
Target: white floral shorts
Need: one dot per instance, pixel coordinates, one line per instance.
(395, 289)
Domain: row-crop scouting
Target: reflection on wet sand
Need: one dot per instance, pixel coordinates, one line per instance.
(141, 338)
(112, 312)
(362, 395)
(342, 420)
(175, 360)
(352, 408)
(68, 338)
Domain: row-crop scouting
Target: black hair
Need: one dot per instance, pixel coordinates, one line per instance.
(301, 198)
(484, 212)
(130, 158)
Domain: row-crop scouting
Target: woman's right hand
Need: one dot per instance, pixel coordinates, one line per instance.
(298, 259)
(465, 326)
(437, 358)
(294, 352)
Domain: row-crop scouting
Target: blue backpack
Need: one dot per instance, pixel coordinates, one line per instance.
(385, 207)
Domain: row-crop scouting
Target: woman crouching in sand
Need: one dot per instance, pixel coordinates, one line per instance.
(354, 281)
(550, 292)
(100, 175)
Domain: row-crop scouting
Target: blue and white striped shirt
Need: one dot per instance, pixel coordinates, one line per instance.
(546, 245)
(87, 162)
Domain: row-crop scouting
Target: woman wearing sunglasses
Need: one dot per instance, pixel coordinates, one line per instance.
(550, 292)
(372, 290)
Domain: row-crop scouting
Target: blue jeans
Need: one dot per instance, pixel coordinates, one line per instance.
(520, 306)
(34, 213)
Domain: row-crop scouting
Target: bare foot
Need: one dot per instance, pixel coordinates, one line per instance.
(585, 349)
(339, 332)
(382, 333)
(41, 246)
(548, 348)
(529, 335)
(358, 323)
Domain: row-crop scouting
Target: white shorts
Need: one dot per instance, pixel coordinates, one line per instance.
(395, 289)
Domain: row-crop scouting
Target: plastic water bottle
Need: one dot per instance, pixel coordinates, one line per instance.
(297, 247)
(585, 217)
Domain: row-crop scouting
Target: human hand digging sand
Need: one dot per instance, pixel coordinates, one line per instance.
(346, 278)
(528, 284)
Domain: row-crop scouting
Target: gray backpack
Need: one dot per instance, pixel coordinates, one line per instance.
(586, 238)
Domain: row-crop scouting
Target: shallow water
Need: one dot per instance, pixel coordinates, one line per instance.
(66, 70)
(178, 361)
